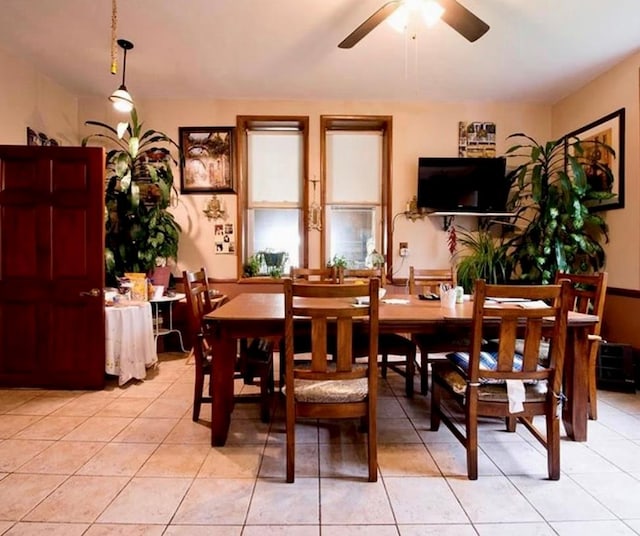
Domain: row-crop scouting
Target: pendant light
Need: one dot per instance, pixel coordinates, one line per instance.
(121, 99)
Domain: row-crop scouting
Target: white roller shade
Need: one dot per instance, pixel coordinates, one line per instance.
(354, 167)
(275, 167)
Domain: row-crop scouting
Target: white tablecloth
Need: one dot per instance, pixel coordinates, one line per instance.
(130, 347)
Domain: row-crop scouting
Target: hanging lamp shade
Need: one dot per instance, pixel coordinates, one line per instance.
(121, 98)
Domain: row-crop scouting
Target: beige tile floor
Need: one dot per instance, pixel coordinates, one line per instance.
(130, 461)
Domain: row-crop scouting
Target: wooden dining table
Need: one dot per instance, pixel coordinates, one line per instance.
(262, 315)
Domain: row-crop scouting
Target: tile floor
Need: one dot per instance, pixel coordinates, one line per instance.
(131, 461)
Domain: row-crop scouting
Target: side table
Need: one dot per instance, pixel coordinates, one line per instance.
(157, 330)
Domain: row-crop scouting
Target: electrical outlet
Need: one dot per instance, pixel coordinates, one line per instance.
(404, 249)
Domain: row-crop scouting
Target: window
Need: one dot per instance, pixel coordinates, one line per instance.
(273, 188)
(356, 178)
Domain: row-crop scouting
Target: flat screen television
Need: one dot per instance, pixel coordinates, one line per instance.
(450, 184)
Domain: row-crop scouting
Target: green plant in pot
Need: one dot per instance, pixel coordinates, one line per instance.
(338, 261)
(251, 268)
(139, 228)
(272, 262)
(483, 256)
(554, 228)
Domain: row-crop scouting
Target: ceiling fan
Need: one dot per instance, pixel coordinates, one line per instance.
(455, 15)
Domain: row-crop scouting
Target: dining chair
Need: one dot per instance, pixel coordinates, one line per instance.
(588, 292)
(388, 343)
(428, 280)
(196, 288)
(255, 357)
(302, 345)
(314, 275)
(328, 388)
(498, 381)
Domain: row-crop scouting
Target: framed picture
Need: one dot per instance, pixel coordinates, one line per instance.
(608, 130)
(207, 160)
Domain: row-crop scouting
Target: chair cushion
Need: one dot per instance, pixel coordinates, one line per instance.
(488, 392)
(543, 351)
(488, 360)
(332, 391)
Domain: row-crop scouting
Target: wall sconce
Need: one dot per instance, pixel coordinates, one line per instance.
(214, 209)
(315, 210)
(412, 212)
(121, 99)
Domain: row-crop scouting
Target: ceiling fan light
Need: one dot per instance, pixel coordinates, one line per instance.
(431, 12)
(399, 19)
(122, 100)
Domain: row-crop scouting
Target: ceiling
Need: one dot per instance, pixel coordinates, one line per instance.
(536, 50)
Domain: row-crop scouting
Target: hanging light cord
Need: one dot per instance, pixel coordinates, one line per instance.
(114, 34)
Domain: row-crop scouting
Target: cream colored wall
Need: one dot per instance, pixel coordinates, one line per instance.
(617, 88)
(30, 99)
(419, 129)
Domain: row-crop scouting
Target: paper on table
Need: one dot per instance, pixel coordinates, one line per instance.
(536, 304)
(396, 301)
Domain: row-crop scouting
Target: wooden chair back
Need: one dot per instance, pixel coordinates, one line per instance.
(514, 319)
(430, 279)
(196, 288)
(327, 388)
(588, 292)
(314, 275)
(347, 275)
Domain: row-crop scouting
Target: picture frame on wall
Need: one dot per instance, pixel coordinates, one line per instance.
(207, 160)
(608, 130)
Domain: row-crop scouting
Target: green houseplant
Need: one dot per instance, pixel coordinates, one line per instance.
(483, 257)
(553, 227)
(140, 231)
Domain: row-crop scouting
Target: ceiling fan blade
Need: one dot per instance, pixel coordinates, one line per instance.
(369, 24)
(462, 20)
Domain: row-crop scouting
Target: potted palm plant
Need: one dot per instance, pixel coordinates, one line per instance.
(140, 231)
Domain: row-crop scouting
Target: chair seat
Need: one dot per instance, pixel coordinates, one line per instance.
(488, 392)
(332, 392)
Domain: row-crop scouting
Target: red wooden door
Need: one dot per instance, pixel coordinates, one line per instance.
(52, 267)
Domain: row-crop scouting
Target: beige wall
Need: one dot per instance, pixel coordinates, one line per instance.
(419, 129)
(30, 99)
(618, 88)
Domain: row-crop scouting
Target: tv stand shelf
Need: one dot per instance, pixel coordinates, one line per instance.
(448, 217)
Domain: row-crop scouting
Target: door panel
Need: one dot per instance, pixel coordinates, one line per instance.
(51, 251)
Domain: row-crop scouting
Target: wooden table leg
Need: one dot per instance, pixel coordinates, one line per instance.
(576, 382)
(223, 367)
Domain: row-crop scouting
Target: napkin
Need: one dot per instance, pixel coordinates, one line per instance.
(516, 395)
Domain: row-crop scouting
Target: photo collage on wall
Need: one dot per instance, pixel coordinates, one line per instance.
(476, 139)
(224, 239)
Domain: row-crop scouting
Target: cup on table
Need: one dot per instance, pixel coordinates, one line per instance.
(448, 298)
(158, 292)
